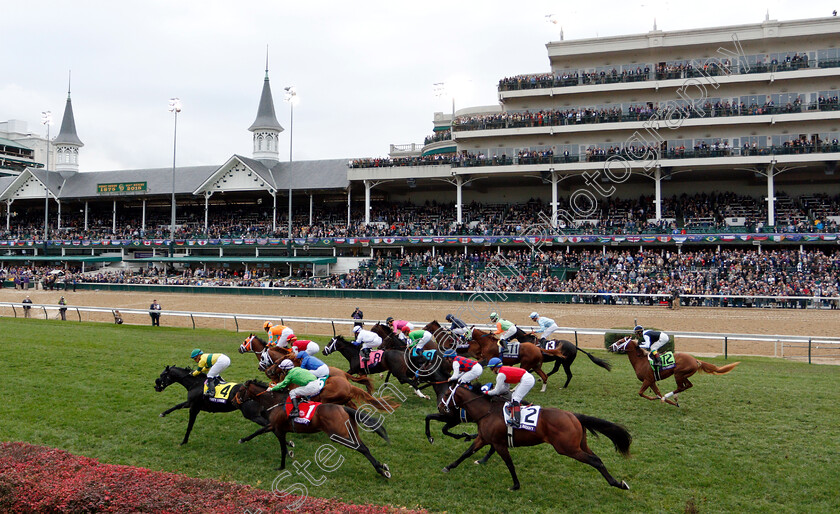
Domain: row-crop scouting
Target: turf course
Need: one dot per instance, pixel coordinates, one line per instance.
(761, 439)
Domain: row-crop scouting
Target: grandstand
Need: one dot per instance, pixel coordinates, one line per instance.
(672, 142)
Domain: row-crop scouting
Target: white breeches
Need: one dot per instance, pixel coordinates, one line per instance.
(471, 375)
(550, 330)
(524, 386)
(310, 389)
(221, 365)
(372, 344)
(321, 371)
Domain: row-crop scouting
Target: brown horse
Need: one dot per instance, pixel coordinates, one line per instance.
(484, 346)
(686, 365)
(274, 355)
(339, 391)
(337, 421)
(564, 430)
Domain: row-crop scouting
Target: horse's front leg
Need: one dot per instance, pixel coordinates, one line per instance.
(474, 447)
(645, 386)
(194, 410)
(179, 406)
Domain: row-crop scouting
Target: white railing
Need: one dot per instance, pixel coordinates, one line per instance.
(780, 341)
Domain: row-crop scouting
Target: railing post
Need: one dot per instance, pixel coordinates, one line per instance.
(576, 340)
(14, 310)
(237, 323)
(725, 347)
(809, 350)
(193, 320)
(46, 316)
(79, 314)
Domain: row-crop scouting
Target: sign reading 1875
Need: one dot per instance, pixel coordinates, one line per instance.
(121, 187)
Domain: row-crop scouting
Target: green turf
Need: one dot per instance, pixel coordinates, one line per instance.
(763, 438)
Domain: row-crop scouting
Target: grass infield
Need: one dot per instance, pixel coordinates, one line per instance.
(761, 439)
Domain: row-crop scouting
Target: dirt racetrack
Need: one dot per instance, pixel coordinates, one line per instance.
(807, 322)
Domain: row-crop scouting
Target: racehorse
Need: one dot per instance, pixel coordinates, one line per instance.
(391, 360)
(337, 421)
(339, 391)
(390, 339)
(564, 430)
(197, 402)
(274, 355)
(685, 366)
(484, 346)
(568, 352)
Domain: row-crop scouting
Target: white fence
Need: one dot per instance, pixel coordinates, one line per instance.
(821, 346)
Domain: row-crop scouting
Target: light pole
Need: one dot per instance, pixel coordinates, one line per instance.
(46, 119)
(291, 97)
(174, 106)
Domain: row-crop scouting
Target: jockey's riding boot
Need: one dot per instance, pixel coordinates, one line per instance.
(211, 387)
(657, 361)
(366, 354)
(295, 412)
(503, 344)
(542, 342)
(514, 413)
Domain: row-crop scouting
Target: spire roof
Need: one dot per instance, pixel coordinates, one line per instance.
(266, 119)
(67, 134)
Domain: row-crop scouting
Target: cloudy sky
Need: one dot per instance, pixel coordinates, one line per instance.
(364, 70)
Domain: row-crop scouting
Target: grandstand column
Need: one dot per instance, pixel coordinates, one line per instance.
(86, 214)
(771, 199)
(657, 177)
(274, 211)
(8, 212)
(58, 221)
(143, 222)
(114, 219)
(459, 183)
(367, 201)
(207, 195)
(554, 203)
(348, 204)
(310, 209)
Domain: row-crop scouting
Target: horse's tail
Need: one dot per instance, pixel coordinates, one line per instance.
(619, 435)
(714, 370)
(382, 403)
(364, 380)
(600, 362)
(363, 418)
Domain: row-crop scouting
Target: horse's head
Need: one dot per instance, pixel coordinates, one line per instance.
(623, 345)
(335, 344)
(246, 345)
(164, 380)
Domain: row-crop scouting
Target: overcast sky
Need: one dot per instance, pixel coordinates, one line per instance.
(364, 70)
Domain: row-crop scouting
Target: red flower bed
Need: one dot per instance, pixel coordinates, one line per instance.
(46, 480)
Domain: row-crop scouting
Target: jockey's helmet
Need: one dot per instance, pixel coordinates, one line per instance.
(450, 353)
(638, 329)
(534, 315)
(286, 365)
(267, 325)
(495, 362)
(449, 317)
(494, 316)
(406, 329)
(195, 353)
(389, 320)
(357, 329)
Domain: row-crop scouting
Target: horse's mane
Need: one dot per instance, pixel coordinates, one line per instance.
(257, 382)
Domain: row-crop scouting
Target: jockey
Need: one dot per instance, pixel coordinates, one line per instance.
(458, 327)
(651, 340)
(213, 364)
(418, 339)
(277, 334)
(399, 325)
(464, 370)
(308, 384)
(504, 329)
(509, 375)
(369, 341)
(547, 326)
(313, 364)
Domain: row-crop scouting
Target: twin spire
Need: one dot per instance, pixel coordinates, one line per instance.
(266, 128)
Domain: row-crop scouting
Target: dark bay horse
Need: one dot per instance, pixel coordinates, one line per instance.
(394, 361)
(686, 365)
(568, 351)
(197, 402)
(564, 430)
(274, 355)
(337, 421)
(484, 346)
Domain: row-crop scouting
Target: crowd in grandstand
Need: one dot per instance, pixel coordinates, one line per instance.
(684, 214)
(726, 272)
